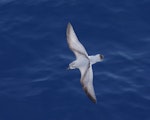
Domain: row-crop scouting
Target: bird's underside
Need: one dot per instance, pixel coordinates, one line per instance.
(85, 67)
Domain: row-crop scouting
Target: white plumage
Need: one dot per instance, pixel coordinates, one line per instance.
(83, 62)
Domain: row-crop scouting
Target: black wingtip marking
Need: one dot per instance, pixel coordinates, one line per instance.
(89, 95)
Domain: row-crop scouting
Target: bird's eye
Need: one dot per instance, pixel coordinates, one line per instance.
(101, 56)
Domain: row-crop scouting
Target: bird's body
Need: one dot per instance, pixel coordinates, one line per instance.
(83, 62)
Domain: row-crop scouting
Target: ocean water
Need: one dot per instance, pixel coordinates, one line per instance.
(34, 55)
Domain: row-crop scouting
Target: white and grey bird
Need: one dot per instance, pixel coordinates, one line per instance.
(83, 62)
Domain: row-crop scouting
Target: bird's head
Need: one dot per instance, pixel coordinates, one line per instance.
(101, 57)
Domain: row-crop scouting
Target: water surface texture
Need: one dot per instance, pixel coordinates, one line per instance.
(34, 55)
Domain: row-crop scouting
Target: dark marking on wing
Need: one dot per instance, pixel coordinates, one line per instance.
(84, 75)
(89, 95)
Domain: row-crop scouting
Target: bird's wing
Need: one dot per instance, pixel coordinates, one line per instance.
(74, 43)
(87, 81)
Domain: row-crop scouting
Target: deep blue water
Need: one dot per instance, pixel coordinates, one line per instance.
(34, 55)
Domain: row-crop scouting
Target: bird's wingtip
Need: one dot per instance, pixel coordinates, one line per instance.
(69, 24)
(69, 27)
(91, 97)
